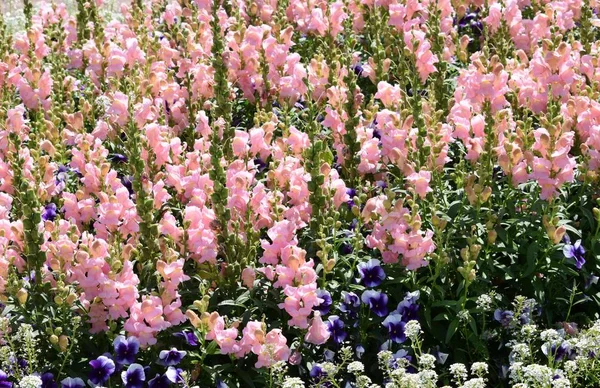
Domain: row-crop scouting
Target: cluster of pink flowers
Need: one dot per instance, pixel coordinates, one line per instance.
(64, 135)
(270, 347)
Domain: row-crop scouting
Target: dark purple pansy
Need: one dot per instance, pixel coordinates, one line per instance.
(346, 248)
(102, 368)
(126, 349)
(358, 69)
(188, 336)
(4, 383)
(575, 252)
(160, 381)
(395, 327)
(503, 316)
(325, 306)
(171, 357)
(134, 376)
(70, 382)
(127, 181)
(408, 308)
(317, 373)
(336, 328)
(377, 302)
(47, 381)
(50, 212)
(350, 303)
(260, 165)
(371, 273)
(119, 158)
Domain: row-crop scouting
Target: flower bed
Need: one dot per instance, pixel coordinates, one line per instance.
(300, 193)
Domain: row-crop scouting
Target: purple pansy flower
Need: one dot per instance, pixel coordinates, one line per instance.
(371, 273)
(504, 317)
(189, 337)
(395, 327)
(171, 357)
(377, 302)
(325, 306)
(126, 349)
(50, 212)
(102, 368)
(70, 382)
(336, 328)
(47, 381)
(134, 376)
(4, 383)
(160, 381)
(174, 375)
(575, 252)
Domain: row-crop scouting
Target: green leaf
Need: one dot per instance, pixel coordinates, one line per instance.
(532, 256)
(451, 330)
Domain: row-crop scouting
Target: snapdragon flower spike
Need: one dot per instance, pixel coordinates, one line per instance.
(336, 328)
(377, 302)
(171, 357)
(71, 382)
(575, 252)
(188, 336)
(102, 368)
(126, 349)
(371, 273)
(134, 376)
(325, 306)
(395, 326)
(4, 383)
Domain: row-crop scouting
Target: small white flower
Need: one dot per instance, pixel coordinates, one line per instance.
(363, 381)
(356, 367)
(385, 356)
(427, 361)
(561, 383)
(538, 375)
(328, 368)
(293, 382)
(463, 316)
(484, 302)
(570, 366)
(30, 381)
(428, 378)
(550, 335)
(528, 331)
(412, 329)
(474, 383)
(479, 368)
(520, 352)
(459, 371)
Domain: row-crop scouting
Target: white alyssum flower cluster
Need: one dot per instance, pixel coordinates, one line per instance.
(31, 381)
(412, 330)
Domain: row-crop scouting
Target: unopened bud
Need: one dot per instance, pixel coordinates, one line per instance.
(63, 342)
(22, 296)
